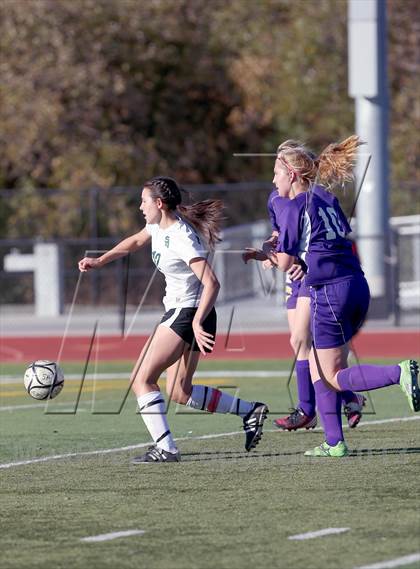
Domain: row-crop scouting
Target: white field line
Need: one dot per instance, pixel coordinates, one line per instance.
(112, 535)
(181, 439)
(318, 533)
(398, 562)
(109, 450)
(6, 379)
(383, 421)
(15, 407)
(39, 405)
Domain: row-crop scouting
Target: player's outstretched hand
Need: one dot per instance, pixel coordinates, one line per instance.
(88, 263)
(204, 339)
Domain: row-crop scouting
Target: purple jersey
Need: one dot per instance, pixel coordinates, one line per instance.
(275, 206)
(314, 228)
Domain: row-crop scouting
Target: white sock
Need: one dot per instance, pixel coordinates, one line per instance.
(216, 401)
(153, 411)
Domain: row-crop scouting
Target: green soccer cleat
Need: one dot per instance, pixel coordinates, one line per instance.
(336, 451)
(409, 383)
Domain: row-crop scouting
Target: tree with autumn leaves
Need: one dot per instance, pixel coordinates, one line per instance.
(105, 93)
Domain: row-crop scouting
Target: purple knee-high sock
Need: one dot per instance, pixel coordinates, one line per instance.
(367, 377)
(329, 408)
(306, 391)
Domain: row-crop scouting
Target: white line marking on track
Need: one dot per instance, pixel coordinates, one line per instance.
(399, 562)
(181, 439)
(112, 535)
(318, 533)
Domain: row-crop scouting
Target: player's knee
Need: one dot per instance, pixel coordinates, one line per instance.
(300, 343)
(138, 384)
(293, 343)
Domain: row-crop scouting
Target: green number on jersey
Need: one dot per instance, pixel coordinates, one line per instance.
(155, 258)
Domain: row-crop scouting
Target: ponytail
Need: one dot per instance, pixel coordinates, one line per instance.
(336, 162)
(206, 217)
(333, 166)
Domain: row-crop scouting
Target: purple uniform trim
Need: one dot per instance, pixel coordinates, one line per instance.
(292, 289)
(314, 228)
(338, 311)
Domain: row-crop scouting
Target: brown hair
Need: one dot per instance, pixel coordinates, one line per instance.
(205, 216)
(333, 166)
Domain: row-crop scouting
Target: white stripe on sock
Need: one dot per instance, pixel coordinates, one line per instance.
(226, 404)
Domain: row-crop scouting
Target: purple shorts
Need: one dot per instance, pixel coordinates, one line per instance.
(338, 311)
(293, 290)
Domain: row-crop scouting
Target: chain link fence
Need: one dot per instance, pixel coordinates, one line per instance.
(132, 280)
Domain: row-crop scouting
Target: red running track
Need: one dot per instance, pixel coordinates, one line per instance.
(369, 344)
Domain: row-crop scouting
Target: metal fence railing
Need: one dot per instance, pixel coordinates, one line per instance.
(129, 283)
(406, 231)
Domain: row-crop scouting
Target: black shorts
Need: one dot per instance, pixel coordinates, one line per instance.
(180, 321)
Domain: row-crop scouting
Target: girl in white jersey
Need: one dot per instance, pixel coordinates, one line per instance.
(188, 326)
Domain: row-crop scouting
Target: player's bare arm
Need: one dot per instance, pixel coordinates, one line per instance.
(126, 246)
(283, 261)
(211, 287)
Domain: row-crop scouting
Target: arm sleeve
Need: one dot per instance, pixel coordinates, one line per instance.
(290, 224)
(272, 213)
(150, 228)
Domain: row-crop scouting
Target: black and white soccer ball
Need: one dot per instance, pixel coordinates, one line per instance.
(43, 379)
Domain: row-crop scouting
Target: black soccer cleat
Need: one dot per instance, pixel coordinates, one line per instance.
(157, 454)
(253, 425)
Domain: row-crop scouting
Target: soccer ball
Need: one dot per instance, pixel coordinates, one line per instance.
(43, 379)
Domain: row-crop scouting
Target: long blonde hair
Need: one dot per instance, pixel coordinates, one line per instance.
(332, 167)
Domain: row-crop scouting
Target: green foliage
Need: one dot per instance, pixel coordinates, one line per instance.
(103, 93)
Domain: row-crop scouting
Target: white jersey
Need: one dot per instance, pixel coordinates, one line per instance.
(172, 250)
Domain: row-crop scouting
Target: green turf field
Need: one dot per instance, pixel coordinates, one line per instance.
(221, 507)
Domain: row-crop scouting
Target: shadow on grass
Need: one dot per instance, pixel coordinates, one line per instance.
(382, 451)
(231, 455)
(235, 455)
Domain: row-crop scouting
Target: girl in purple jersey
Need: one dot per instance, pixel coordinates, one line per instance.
(298, 316)
(314, 228)
(297, 304)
